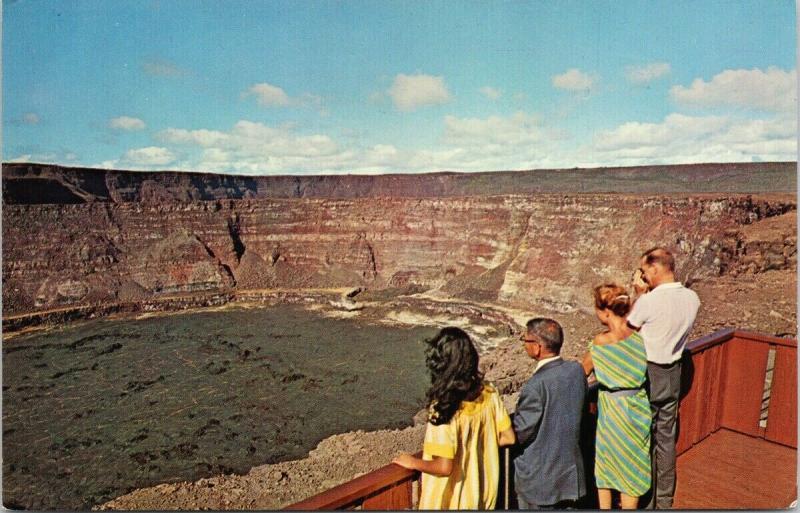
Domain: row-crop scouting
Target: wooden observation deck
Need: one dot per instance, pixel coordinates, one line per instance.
(737, 435)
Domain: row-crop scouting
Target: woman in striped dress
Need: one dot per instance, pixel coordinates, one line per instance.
(619, 361)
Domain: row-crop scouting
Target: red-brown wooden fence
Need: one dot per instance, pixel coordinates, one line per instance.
(725, 380)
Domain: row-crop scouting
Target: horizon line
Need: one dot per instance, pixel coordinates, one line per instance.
(410, 173)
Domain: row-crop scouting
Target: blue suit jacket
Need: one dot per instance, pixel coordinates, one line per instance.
(547, 423)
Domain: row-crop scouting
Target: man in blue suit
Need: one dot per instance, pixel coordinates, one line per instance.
(549, 471)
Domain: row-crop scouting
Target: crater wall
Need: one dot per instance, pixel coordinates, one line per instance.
(521, 250)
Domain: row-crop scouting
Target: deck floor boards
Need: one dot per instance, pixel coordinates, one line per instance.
(729, 470)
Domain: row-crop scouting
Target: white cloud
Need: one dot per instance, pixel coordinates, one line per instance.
(693, 139)
(200, 137)
(259, 139)
(647, 73)
(521, 140)
(574, 80)
(517, 141)
(126, 123)
(771, 90)
(675, 126)
(519, 128)
(412, 91)
(251, 147)
(149, 156)
(31, 118)
(268, 95)
(107, 164)
(491, 92)
(256, 148)
(57, 157)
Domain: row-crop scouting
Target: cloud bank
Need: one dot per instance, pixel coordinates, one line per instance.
(126, 123)
(149, 156)
(771, 90)
(574, 80)
(268, 95)
(410, 92)
(756, 122)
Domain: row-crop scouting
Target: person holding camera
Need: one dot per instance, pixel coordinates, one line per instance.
(663, 315)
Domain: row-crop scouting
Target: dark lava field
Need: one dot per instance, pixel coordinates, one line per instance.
(95, 410)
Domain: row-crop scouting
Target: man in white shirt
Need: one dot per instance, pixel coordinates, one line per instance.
(664, 316)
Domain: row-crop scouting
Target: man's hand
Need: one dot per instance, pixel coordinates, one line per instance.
(639, 285)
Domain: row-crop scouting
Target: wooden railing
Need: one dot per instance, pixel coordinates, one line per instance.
(389, 488)
(724, 383)
(723, 386)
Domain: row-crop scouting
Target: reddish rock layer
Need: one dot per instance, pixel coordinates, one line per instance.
(514, 250)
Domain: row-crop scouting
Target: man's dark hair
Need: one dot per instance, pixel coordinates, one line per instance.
(548, 331)
(659, 255)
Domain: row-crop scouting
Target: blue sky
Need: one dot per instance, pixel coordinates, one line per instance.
(299, 87)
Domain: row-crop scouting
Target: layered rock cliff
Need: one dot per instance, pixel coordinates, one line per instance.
(120, 241)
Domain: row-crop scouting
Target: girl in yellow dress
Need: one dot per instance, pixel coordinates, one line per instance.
(467, 422)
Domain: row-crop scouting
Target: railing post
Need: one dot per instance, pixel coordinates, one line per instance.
(506, 466)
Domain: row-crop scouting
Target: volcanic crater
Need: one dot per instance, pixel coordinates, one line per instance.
(485, 251)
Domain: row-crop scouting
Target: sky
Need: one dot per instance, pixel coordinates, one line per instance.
(377, 86)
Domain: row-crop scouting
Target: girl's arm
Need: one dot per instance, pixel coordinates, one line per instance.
(588, 364)
(507, 437)
(438, 466)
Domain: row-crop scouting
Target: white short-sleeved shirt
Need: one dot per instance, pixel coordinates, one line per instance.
(665, 316)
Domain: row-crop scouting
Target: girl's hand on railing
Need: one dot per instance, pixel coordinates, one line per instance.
(405, 461)
(438, 466)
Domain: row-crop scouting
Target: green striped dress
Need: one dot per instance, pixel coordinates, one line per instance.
(622, 446)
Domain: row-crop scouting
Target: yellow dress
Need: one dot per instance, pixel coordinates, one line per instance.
(470, 439)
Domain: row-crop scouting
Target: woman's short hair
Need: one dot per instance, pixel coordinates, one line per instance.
(613, 297)
(452, 361)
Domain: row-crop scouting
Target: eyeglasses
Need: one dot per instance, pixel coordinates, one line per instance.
(526, 340)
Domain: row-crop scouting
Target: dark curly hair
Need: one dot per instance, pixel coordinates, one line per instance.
(453, 363)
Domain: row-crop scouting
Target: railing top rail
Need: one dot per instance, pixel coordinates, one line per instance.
(760, 337)
(723, 335)
(351, 492)
(718, 337)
